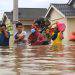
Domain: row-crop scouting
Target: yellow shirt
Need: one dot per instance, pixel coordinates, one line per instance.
(58, 40)
(57, 43)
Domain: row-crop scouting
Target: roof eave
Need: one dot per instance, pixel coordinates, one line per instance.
(59, 11)
(48, 10)
(69, 2)
(51, 6)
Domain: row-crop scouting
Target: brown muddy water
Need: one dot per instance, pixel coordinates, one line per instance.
(37, 60)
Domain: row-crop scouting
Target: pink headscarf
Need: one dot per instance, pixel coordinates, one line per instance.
(61, 26)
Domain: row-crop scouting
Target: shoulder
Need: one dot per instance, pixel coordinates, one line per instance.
(15, 34)
(8, 33)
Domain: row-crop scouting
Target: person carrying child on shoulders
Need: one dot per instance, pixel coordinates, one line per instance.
(57, 36)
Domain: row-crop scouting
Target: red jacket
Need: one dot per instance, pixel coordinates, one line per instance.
(37, 37)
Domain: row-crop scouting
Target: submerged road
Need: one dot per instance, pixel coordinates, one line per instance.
(37, 60)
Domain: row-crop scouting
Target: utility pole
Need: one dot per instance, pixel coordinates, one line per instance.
(15, 10)
(15, 13)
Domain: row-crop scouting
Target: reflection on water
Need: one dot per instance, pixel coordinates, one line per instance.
(37, 60)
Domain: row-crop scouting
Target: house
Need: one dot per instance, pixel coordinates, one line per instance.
(27, 15)
(64, 13)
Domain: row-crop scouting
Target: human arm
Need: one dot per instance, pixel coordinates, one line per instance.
(40, 39)
(6, 34)
(20, 37)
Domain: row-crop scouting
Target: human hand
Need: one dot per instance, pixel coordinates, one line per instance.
(21, 37)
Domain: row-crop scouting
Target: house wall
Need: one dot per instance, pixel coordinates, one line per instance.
(55, 15)
(71, 26)
(27, 25)
(27, 28)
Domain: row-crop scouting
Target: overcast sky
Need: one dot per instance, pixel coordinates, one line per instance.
(7, 5)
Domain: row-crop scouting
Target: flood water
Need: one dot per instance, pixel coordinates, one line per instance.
(37, 60)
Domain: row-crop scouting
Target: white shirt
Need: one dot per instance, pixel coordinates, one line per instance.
(24, 34)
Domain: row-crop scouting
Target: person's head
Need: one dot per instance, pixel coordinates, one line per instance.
(19, 27)
(47, 31)
(3, 26)
(61, 26)
(47, 22)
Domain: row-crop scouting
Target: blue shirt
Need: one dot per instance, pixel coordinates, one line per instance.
(3, 40)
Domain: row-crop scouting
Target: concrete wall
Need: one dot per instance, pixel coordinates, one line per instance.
(27, 28)
(71, 26)
(27, 22)
(55, 15)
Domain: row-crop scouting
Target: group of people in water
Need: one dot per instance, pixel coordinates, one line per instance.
(42, 33)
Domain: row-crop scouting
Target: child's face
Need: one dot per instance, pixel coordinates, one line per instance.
(19, 28)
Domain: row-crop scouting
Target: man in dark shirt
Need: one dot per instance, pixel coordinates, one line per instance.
(4, 35)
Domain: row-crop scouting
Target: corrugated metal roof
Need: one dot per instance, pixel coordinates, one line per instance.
(71, 2)
(28, 13)
(66, 9)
